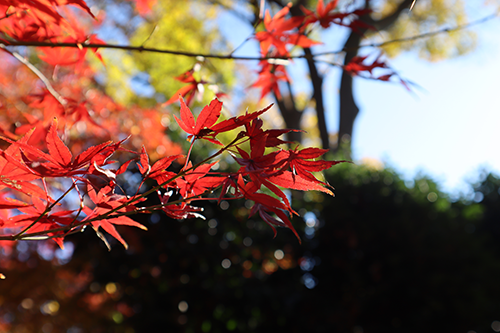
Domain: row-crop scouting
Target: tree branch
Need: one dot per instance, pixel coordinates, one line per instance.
(37, 72)
(348, 109)
(317, 82)
(249, 58)
(433, 33)
(389, 20)
(291, 115)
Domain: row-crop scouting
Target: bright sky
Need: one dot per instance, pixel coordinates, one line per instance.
(449, 131)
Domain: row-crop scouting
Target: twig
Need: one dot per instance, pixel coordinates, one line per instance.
(37, 72)
(111, 213)
(433, 33)
(415, 37)
(44, 213)
(230, 56)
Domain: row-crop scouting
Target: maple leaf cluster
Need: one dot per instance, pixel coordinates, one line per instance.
(27, 170)
(60, 162)
(85, 112)
(361, 66)
(282, 33)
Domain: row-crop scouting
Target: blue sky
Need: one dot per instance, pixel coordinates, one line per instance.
(449, 131)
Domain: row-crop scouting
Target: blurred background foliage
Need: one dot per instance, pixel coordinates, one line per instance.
(428, 16)
(146, 78)
(384, 255)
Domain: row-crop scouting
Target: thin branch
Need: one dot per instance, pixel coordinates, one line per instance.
(412, 4)
(137, 49)
(230, 56)
(111, 213)
(6, 16)
(317, 83)
(433, 33)
(415, 37)
(44, 213)
(37, 72)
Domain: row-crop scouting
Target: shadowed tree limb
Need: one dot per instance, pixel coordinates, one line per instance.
(348, 109)
(317, 82)
(291, 115)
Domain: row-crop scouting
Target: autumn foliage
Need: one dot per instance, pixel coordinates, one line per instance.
(65, 145)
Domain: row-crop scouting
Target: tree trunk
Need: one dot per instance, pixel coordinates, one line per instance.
(317, 82)
(292, 117)
(348, 108)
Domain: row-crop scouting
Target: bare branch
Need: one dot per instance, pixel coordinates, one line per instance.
(317, 82)
(247, 58)
(433, 33)
(37, 72)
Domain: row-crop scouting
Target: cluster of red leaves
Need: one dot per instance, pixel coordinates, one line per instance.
(261, 171)
(28, 20)
(360, 66)
(269, 77)
(56, 172)
(25, 168)
(41, 21)
(86, 113)
(327, 15)
(260, 178)
(280, 33)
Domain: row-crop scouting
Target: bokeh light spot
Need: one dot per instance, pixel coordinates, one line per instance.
(432, 196)
(226, 263)
(279, 254)
(111, 288)
(183, 306)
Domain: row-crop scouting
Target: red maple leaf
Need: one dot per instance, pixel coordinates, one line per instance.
(287, 179)
(158, 171)
(205, 128)
(299, 162)
(322, 15)
(325, 15)
(254, 131)
(196, 182)
(58, 162)
(358, 65)
(106, 200)
(264, 204)
(269, 77)
(257, 163)
(278, 33)
(16, 175)
(49, 220)
(188, 91)
(179, 211)
(200, 127)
